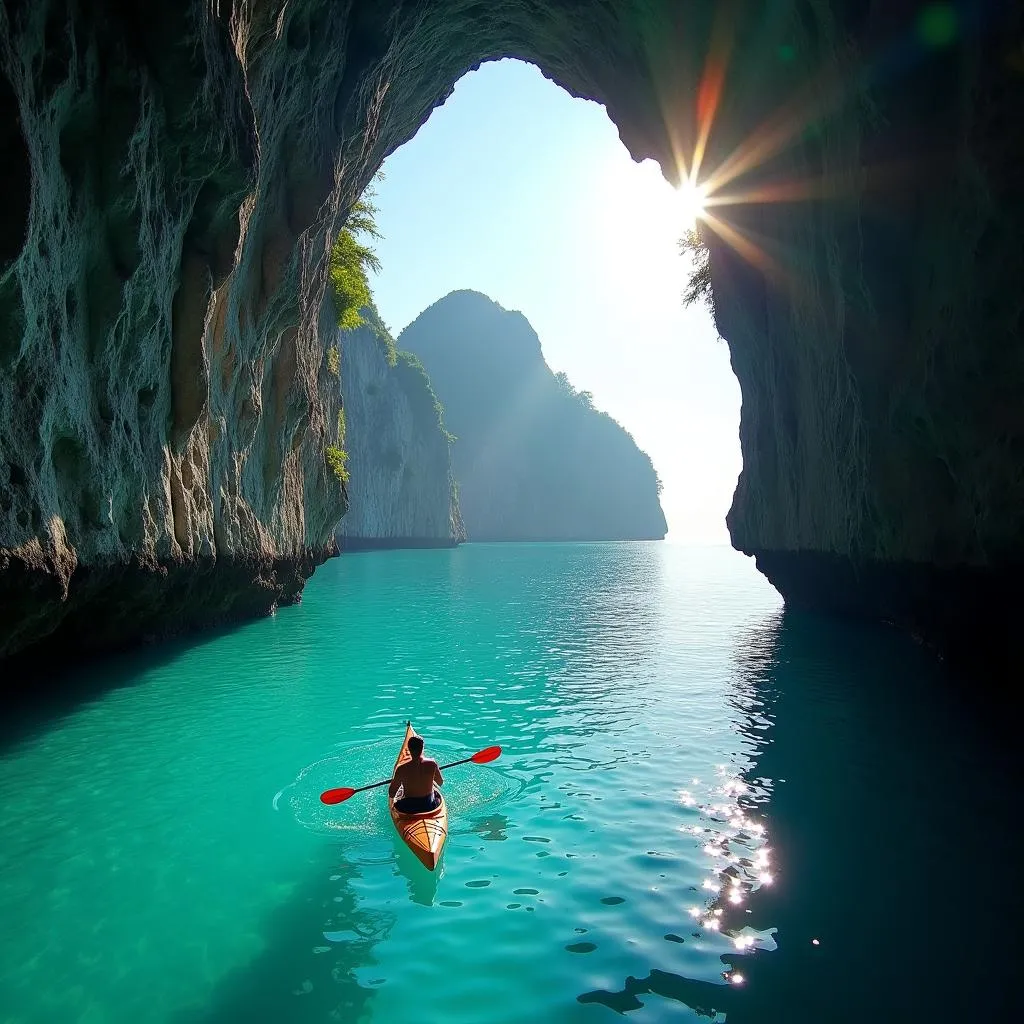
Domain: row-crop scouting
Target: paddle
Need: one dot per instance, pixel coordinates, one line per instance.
(342, 793)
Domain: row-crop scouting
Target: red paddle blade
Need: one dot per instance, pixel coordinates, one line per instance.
(336, 796)
(486, 755)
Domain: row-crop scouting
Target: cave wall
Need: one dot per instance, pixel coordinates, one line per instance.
(879, 347)
(174, 175)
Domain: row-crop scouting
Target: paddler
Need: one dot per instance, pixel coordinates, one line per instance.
(417, 778)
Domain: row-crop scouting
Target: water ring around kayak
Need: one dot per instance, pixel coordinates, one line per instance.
(469, 790)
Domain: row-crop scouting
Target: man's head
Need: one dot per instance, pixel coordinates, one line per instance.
(415, 746)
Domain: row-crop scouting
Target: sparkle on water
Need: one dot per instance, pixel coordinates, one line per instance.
(706, 809)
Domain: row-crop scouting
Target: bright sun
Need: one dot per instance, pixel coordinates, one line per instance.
(691, 198)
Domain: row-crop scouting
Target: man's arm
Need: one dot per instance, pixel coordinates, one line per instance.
(438, 777)
(396, 782)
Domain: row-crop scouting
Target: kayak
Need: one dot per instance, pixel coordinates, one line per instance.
(424, 833)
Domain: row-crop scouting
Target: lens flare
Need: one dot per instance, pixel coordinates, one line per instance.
(692, 199)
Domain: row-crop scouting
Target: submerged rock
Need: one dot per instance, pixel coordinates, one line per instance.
(401, 490)
(533, 458)
(174, 174)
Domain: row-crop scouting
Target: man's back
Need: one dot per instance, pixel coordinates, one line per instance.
(418, 777)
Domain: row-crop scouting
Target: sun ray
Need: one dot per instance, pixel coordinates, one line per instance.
(779, 130)
(704, 189)
(709, 92)
(746, 247)
(781, 192)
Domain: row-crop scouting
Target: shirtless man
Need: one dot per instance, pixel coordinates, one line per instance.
(417, 779)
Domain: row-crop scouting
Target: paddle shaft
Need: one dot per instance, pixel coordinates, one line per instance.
(386, 782)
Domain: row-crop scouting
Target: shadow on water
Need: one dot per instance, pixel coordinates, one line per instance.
(39, 696)
(492, 828)
(890, 803)
(317, 942)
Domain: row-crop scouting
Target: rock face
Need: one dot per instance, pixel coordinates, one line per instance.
(534, 460)
(879, 347)
(401, 492)
(174, 174)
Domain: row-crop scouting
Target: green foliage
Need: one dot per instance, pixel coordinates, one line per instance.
(380, 329)
(351, 261)
(334, 361)
(388, 342)
(335, 455)
(698, 284)
(337, 462)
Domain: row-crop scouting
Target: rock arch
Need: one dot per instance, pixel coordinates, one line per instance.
(189, 164)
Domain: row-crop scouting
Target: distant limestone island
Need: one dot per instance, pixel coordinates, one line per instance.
(532, 458)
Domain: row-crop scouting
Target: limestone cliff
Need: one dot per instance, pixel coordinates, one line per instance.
(878, 342)
(534, 459)
(173, 176)
(401, 491)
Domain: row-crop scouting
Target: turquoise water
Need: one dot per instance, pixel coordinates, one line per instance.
(707, 808)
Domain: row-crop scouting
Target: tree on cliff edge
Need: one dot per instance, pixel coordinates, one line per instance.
(698, 283)
(351, 261)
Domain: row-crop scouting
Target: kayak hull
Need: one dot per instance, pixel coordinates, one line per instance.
(424, 834)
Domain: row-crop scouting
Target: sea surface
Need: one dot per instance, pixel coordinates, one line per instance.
(707, 808)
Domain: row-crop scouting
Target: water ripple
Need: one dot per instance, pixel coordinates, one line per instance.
(704, 808)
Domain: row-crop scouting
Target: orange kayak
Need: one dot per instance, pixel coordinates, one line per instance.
(424, 833)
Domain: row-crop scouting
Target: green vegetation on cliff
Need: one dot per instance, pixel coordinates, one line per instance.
(350, 263)
(534, 460)
(351, 260)
(698, 280)
(372, 319)
(335, 455)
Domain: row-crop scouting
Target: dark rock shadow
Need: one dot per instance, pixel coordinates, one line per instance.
(706, 1000)
(39, 693)
(316, 942)
(890, 819)
(890, 801)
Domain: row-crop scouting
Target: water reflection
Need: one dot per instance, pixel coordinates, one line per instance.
(855, 835)
(421, 883)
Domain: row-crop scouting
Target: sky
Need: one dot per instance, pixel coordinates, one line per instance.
(517, 190)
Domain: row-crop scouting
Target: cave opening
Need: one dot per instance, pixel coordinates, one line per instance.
(518, 190)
